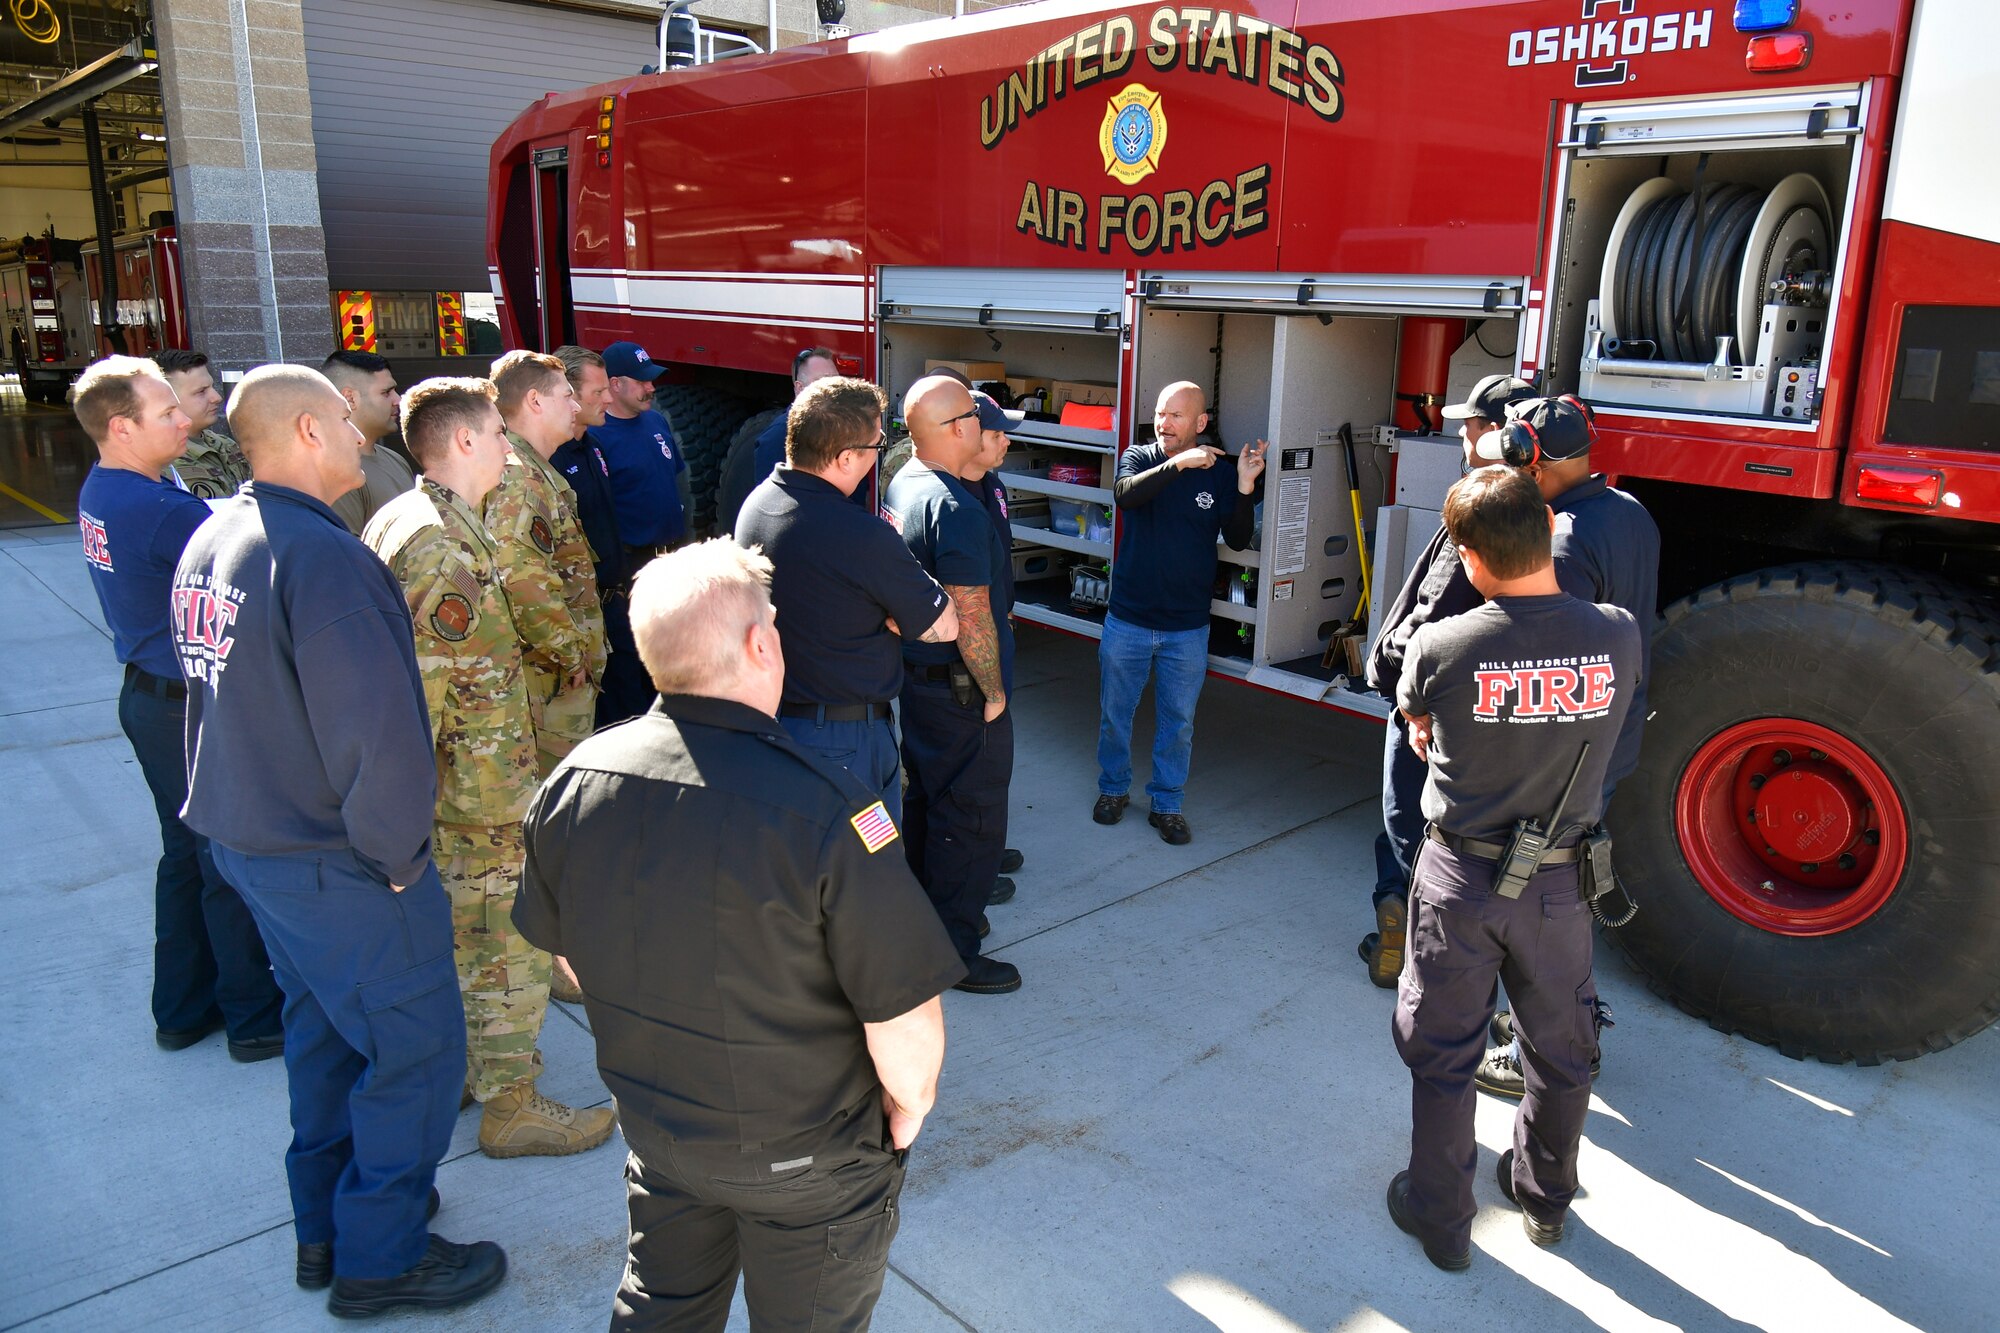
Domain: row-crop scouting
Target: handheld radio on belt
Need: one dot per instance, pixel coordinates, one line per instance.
(1531, 840)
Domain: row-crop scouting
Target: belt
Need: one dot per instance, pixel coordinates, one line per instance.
(1494, 851)
(931, 673)
(835, 712)
(157, 686)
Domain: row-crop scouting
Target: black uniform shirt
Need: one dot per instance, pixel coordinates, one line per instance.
(837, 572)
(589, 474)
(735, 913)
(993, 494)
(1436, 589)
(1513, 690)
(1607, 550)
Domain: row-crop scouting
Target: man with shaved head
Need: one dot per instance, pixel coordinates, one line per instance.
(958, 737)
(312, 775)
(1178, 495)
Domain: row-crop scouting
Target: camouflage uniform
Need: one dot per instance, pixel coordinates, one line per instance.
(551, 582)
(477, 693)
(213, 466)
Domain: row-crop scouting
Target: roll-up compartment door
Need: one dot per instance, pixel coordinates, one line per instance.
(1345, 293)
(1087, 301)
(1763, 121)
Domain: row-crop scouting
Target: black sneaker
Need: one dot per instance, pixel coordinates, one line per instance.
(447, 1275)
(1011, 860)
(1173, 827)
(1406, 1222)
(1002, 891)
(989, 976)
(171, 1039)
(315, 1268)
(1501, 1029)
(1110, 809)
(1542, 1233)
(1500, 1072)
(249, 1050)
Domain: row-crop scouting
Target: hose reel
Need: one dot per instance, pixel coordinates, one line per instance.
(1685, 270)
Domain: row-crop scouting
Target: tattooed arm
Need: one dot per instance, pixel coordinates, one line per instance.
(979, 642)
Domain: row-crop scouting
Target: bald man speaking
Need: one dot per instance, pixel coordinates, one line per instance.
(312, 775)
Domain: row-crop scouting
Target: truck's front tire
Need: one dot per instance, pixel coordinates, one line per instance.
(1813, 833)
(704, 421)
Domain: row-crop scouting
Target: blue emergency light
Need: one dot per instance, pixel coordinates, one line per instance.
(1765, 15)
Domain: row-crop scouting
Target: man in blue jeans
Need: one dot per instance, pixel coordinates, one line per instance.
(1177, 495)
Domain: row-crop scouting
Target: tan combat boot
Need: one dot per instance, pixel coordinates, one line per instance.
(520, 1122)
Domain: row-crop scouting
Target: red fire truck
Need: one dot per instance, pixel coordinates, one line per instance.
(45, 335)
(1755, 236)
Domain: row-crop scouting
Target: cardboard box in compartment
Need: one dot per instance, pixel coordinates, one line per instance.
(1094, 393)
(972, 370)
(1024, 386)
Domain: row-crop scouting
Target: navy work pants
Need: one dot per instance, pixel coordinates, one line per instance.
(374, 1047)
(626, 691)
(1463, 939)
(955, 813)
(1402, 812)
(207, 954)
(865, 749)
(807, 1221)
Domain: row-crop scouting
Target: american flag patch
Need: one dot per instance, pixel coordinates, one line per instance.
(877, 830)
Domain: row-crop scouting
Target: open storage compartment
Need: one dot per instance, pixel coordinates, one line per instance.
(1292, 360)
(1033, 339)
(1701, 249)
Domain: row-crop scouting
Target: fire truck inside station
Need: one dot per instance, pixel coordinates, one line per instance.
(1752, 237)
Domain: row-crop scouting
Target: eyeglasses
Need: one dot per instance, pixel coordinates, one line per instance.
(881, 442)
(961, 416)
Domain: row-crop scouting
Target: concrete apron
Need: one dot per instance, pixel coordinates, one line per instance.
(1185, 1120)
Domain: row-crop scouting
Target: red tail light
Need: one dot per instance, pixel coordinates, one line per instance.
(1777, 52)
(1899, 486)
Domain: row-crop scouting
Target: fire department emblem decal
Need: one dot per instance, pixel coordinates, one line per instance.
(1133, 134)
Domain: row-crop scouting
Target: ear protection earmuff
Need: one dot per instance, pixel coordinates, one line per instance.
(1520, 445)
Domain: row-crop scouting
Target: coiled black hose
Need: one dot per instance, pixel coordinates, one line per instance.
(1669, 295)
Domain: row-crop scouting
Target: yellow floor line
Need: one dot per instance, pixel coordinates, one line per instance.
(35, 505)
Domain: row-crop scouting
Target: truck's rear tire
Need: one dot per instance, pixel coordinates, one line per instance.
(739, 469)
(1813, 832)
(704, 421)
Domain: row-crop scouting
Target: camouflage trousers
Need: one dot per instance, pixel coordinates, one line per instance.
(503, 979)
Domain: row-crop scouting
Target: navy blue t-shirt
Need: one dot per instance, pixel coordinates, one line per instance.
(1164, 577)
(134, 530)
(993, 495)
(838, 572)
(645, 463)
(583, 463)
(948, 531)
(1607, 550)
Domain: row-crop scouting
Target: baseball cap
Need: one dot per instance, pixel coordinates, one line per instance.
(630, 360)
(1559, 425)
(1489, 399)
(994, 417)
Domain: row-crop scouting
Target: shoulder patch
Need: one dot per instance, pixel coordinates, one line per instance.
(874, 827)
(542, 535)
(452, 618)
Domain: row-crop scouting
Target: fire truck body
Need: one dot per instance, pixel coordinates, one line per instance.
(1744, 234)
(46, 338)
(151, 302)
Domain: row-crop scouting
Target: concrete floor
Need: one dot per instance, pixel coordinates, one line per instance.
(44, 457)
(1184, 1121)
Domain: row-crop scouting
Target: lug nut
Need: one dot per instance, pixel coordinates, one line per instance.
(1846, 861)
(1872, 837)
(1781, 757)
(1809, 868)
(1757, 781)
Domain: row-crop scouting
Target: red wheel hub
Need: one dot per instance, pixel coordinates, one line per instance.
(1791, 827)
